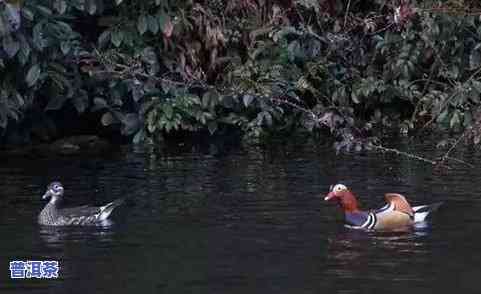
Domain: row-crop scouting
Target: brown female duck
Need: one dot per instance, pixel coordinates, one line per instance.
(52, 215)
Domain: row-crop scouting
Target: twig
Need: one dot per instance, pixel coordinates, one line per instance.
(441, 162)
(347, 12)
(446, 155)
(460, 161)
(409, 155)
(287, 102)
(427, 80)
(425, 89)
(455, 92)
(381, 30)
(452, 11)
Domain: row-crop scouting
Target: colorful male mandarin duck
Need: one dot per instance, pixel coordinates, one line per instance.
(396, 214)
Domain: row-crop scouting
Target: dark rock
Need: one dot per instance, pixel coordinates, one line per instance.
(85, 144)
(74, 145)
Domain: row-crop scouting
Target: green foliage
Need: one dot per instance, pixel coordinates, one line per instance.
(39, 45)
(154, 67)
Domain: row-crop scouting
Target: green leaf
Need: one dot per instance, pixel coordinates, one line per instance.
(468, 119)
(60, 6)
(81, 102)
(139, 137)
(3, 118)
(38, 36)
(294, 51)
(56, 102)
(475, 57)
(153, 24)
(152, 120)
(455, 120)
(13, 113)
(108, 119)
(162, 19)
(117, 38)
(11, 14)
(10, 46)
(142, 24)
(210, 99)
(32, 75)
(91, 6)
(247, 99)
(228, 101)
(354, 97)
(27, 13)
(442, 116)
(104, 38)
(477, 85)
(168, 110)
(3, 28)
(19, 99)
(206, 100)
(149, 56)
(100, 102)
(130, 124)
(64, 29)
(267, 118)
(44, 10)
(212, 126)
(117, 2)
(65, 47)
(166, 25)
(129, 37)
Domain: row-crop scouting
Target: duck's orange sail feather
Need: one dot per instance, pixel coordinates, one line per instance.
(400, 203)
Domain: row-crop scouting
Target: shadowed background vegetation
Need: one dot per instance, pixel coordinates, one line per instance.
(145, 69)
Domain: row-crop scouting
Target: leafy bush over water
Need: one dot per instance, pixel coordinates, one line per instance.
(266, 67)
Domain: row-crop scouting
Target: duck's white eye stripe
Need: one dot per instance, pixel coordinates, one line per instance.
(339, 187)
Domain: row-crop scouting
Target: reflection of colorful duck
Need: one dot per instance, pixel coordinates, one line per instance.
(361, 262)
(396, 214)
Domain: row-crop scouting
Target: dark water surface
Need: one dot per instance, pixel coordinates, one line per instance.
(246, 221)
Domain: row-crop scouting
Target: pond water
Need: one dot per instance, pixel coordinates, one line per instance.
(246, 220)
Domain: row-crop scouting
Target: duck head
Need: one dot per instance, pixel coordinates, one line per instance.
(54, 192)
(343, 196)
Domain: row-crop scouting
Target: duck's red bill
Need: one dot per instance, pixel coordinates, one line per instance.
(329, 196)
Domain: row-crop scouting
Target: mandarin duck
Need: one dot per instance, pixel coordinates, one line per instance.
(396, 214)
(51, 215)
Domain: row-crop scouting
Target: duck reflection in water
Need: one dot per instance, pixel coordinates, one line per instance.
(355, 256)
(58, 237)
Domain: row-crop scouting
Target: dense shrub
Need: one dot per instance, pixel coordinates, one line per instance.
(267, 67)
